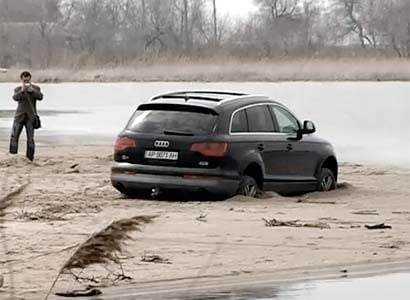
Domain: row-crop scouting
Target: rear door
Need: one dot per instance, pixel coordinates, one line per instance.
(262, 128)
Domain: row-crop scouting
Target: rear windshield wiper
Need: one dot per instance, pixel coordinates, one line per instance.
(182, 133)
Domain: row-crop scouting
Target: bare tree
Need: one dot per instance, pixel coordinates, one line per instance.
(215, 24)
(186, 27)
(359, 17)
(144, 14)
(395, 27)
(49, 15)
(278, 8)
(46, 33)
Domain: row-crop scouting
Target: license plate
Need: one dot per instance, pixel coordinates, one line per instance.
(161, 155)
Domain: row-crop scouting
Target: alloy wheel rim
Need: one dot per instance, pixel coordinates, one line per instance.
(250, 190)
(326, 183)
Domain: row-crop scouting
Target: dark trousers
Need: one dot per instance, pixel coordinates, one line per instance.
(15, 135)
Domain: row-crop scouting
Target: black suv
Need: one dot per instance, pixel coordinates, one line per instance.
(222, 143)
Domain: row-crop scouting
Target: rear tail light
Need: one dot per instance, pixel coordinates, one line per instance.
(214, 149)
(124, 143)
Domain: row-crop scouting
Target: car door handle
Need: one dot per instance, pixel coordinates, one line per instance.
(289, 147)
(261, 147)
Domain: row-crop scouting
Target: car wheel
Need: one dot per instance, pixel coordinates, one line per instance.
(248, 187)
(326, 181)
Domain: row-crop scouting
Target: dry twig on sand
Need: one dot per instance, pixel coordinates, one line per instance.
(155, 259)
(103, 247)
(202, 218)
(378, 226)
(88, 292)
(295, 223)
(366, 212)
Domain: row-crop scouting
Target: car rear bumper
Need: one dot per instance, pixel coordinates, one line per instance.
(143, 177)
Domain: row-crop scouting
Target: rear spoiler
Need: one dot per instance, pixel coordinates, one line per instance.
(178, 107)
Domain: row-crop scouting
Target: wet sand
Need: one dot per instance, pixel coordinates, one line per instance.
(70, 197)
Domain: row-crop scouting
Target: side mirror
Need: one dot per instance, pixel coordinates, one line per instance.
(308, 127)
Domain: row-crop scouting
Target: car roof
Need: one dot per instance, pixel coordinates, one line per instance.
(214, 100)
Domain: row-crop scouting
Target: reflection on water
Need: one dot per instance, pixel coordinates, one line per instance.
(237, 295)
(367, 122)
(393, 286)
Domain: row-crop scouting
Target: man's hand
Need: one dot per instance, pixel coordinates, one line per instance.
(30, 89)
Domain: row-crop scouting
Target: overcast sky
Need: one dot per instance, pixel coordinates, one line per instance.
(235, 7)
(240, 8)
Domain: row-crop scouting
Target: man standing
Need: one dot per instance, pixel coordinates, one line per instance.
(26, 114)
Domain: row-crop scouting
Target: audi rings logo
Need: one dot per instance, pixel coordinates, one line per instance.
(161, 144)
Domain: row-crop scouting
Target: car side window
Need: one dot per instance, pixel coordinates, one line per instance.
(259, 119)
(239, 122)
(286, 122)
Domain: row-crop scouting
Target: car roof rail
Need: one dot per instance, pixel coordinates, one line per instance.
(253, 96)
(198, 95)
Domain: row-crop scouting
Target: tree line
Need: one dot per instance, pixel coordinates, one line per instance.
(72, 33)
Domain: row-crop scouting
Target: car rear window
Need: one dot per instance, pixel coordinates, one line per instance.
(239, 122)
(160, 121)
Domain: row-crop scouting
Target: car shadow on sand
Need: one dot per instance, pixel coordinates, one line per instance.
(183, 196)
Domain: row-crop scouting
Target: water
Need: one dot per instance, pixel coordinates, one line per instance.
(367, 122)
(381, 287)
(393, 286)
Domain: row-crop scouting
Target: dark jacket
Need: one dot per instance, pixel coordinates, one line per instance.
(24, 108)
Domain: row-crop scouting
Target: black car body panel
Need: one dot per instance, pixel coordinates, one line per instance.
(280, 156)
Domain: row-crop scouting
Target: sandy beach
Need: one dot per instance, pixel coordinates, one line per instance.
(69, 197)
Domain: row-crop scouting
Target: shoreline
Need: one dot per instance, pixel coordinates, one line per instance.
(231, 70)
(278, 279)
